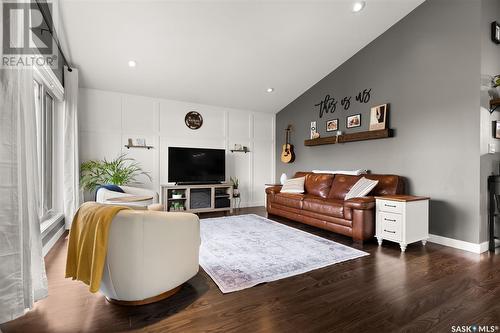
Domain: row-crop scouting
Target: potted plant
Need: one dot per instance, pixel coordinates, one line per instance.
(176, 207)
(120, 171)
(177, 194)
(235, 182)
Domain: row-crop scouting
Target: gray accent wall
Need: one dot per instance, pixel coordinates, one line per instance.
(427, 66)
(490, 65)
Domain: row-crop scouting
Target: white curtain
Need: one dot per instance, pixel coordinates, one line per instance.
(22, 271)
(71, 166)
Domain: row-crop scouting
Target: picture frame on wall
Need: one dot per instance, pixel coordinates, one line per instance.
(496, 129)
(332, 125)
(378, 117)
(495, 32)
(353, 121)
(140, 142)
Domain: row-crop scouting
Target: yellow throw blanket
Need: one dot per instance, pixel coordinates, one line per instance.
(88, 243)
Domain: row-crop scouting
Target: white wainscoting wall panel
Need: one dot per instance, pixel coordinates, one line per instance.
(108, 119)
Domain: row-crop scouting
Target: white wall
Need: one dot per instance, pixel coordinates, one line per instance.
(108, 119)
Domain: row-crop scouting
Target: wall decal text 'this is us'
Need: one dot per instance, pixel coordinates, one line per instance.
(329, 103)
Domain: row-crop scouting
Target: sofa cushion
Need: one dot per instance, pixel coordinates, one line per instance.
(361, 188)
(289, 199)
(330, 207)
(294, 185)
(341, 185)
(318, 184)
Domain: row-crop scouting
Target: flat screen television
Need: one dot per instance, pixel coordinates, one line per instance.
(196, 165)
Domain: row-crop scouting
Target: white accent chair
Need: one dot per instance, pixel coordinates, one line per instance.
(104, 195)
(150, 255)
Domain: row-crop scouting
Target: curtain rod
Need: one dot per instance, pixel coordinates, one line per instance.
(54, 37)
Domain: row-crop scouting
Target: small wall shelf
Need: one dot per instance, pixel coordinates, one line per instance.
(494, 104)
(240, 151)
(143, 147)
(350, 137)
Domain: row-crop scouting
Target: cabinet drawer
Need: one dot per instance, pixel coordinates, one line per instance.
(391, 226)
(390, 206)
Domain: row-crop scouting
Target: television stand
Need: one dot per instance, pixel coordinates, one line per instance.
(197, 198)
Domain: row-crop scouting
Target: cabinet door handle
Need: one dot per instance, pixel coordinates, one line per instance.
(390, 220)
(392, 232)
(392, 206)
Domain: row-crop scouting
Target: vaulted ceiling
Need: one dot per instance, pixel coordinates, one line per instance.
(224, 53)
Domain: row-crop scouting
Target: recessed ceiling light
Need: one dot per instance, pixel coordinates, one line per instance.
(132, 63)
(358, 6)
(270, 90)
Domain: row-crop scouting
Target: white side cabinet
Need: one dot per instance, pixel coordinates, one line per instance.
(403, 219)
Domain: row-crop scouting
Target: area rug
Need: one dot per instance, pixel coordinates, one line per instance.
(240, 252)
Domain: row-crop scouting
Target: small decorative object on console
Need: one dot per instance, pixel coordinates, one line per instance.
(177, 207)
(402, 218)
(353, 121)
(177, 195)
(378, 117)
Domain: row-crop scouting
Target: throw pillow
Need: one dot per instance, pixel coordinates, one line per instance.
(361, 188)
(109, 187)
(294, 185)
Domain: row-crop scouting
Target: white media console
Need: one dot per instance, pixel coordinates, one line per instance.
(197, 198)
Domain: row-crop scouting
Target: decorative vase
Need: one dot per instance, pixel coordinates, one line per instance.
(236, 192)
(283, 178)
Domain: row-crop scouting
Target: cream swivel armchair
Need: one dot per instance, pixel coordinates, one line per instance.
(150, 255)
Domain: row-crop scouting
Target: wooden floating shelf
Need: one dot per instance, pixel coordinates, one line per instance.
(494, 104)
(144, 147)
(350, 137)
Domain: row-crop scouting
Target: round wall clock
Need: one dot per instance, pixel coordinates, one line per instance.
(193, 120)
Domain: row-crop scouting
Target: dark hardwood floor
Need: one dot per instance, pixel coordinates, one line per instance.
(427, 289)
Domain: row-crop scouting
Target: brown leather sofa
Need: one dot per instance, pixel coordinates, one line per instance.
(322, 204)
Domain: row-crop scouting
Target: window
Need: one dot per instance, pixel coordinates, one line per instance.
(44, 113)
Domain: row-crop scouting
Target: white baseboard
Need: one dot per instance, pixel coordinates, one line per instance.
(459, 244)
(46, 248)
(251, 204)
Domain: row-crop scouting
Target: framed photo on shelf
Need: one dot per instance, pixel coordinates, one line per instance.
(332, 125)
(140, 142)
(353, 121)
(496, 129)
(378, 117)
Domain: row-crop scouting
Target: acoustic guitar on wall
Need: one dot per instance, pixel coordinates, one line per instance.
(287, 154)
